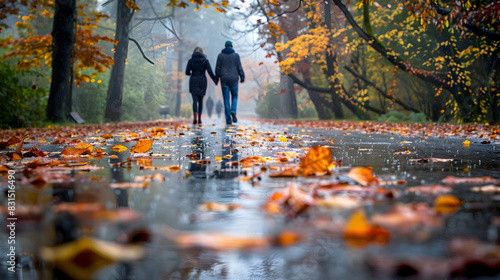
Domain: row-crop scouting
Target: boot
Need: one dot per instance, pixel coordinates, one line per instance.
(199, 118)
(195, 121)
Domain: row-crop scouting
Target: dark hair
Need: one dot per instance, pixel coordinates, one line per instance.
(197, 49)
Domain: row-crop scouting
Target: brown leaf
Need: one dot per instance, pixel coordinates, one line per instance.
(35, 152)
(74, 151)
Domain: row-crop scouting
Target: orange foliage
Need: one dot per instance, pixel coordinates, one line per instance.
(142, 146)
(360, 232)
(363, 176)
(317, 161)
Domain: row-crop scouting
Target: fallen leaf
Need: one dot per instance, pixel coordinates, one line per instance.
(363, 176)
(218, 241)
(289, 172)
(171, 168)
(488, 188)
(72, 152)
(149, 178)
(142, 146)
(429, 189)
(82, 258)
(446, 204)
(359, 232)
(119, 148)
(452, 180)
(217, 207)
(128, 185)
(288, 238)
(317, 161)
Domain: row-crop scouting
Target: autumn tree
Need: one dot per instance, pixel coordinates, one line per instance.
(449, 64)
(68, 43)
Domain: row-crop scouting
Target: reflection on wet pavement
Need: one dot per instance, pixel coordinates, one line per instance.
(191, 209)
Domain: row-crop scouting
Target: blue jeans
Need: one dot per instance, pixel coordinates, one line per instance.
(229, 108)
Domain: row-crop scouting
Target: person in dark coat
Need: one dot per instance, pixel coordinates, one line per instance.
(196, 68)
(218, 108)
(210, 106)
(228, 69)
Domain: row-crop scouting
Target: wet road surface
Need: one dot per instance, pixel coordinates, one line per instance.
(208, 171)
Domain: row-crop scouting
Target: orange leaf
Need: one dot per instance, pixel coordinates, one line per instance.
(83, 145)
(288, 172)
(171, 168)
(363, 176)
(119, 148)
(317, 161)
(128, 185)
(107, 136)
(73, 151)
(217, 207)
(446, 204)
(288, 238)
(142, 146)
(359, 232)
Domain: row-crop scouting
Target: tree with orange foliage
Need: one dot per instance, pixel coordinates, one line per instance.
(68, 44)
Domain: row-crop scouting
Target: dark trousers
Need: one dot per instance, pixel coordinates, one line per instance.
(197, 103)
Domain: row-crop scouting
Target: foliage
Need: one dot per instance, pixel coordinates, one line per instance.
(397, 117)
(21, 106)
(33, 48)
(266, 103)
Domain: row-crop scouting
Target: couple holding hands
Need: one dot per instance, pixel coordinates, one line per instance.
(228, 70)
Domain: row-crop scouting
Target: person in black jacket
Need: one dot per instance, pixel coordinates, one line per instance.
(228, 69)
(196, 67)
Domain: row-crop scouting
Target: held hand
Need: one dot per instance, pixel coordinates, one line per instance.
(242, 80)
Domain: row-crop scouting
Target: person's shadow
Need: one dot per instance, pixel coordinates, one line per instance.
(199, 159)
(229, 164)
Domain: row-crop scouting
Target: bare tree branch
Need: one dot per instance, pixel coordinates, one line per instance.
(140, 49)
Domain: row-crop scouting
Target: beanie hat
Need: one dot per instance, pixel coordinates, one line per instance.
(229, 44)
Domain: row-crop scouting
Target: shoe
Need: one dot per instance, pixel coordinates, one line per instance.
(199, 118)
(234, 117)
(195, 120)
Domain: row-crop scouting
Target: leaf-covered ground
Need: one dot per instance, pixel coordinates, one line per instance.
(263, 200)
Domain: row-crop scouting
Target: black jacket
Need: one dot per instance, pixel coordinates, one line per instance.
(196, 67)
(228, 68)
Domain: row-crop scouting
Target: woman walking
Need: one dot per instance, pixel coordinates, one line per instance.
(196, 68)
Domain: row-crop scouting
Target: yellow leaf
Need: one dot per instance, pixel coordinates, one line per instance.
(119, 148)
(283, 139)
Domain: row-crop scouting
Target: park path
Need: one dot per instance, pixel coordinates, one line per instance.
(176, 201)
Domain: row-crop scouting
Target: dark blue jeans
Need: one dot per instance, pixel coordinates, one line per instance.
(229, 106)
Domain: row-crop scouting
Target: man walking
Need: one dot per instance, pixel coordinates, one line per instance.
(228, 69)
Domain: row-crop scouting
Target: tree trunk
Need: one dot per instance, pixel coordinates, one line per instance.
(332, 68)
(288, 99)
(178, 96)
(62, 48)
(115, 90)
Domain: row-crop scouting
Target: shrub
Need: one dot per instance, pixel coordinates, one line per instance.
(20, 106)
